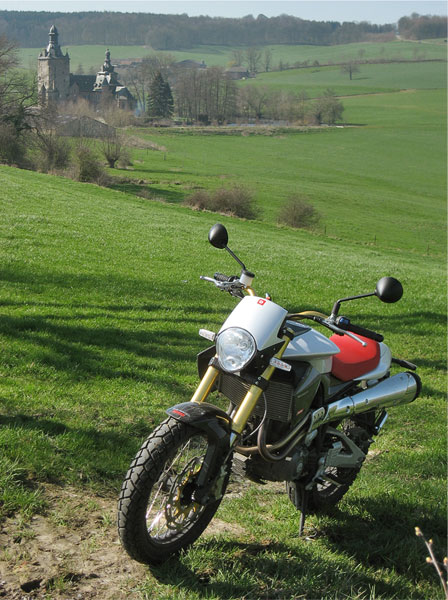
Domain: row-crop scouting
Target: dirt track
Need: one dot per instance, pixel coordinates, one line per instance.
(72, 552)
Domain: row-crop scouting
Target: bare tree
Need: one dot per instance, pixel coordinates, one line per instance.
(205, 95)
(237, 57)
(253, 58)
(267, 59)
(113, 147)
(327, 109)
(253, 101)
(17, 91)
(350, 68)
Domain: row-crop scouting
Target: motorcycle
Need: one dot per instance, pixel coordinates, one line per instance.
(302, 409)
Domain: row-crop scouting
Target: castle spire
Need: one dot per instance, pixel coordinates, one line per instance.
(53, 48)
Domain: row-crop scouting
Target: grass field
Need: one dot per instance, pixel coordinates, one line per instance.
(100, 304)
(93, 56)
(353, 176)
(378, 78)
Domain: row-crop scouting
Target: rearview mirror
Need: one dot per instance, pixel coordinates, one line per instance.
(218, 236)
(389, 289)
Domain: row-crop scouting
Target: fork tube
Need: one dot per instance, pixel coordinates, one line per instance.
(247, 406)
(206, 384)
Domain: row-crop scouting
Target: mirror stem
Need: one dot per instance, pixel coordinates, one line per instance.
(235, 257)
(337, 304)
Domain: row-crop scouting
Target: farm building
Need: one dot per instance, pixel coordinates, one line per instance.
(68, 125)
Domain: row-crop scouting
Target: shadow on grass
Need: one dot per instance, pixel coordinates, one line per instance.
(57, 452)
(173, 196)
(94, 340)
(384, 536)
(263, 571)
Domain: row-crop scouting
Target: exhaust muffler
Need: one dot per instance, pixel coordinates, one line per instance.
(399, 389)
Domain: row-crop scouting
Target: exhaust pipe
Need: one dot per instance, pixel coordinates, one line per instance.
(399, 389)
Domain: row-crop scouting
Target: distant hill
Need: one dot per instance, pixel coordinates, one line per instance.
(173, 32)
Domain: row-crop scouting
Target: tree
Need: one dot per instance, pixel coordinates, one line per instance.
(17, 94)
(17, 91)
(327, 109)
(253, 101)
(253, 57)
(139, 78)
(267, 59)
(350, 68)
(237, 57)
(113, 148)
(205, 95)
(160, 99)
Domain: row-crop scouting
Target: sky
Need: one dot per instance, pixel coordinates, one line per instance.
(374, 11)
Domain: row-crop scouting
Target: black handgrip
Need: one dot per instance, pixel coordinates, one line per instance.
(344, 323)
(222, 277)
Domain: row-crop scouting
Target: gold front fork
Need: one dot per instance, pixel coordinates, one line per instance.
(206, 384)
(250, 400)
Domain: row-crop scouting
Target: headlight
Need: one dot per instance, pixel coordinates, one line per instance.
(236, 348)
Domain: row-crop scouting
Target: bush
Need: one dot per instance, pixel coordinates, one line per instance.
(237, 201)
(12, 147)
(53, 152)
(298, 213)
(87, 165)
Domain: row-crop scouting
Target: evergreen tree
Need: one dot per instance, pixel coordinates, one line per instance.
(160, 99)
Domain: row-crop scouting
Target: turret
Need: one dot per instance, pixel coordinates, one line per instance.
(53, 70)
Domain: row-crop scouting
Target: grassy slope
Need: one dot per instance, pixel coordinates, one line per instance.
(100, 303)
(93, 56)
(378, 78)
(397, 158)
(99, 307)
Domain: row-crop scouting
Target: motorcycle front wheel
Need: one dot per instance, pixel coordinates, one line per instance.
(157, 514)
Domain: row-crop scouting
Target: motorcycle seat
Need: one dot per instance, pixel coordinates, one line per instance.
(353, 359)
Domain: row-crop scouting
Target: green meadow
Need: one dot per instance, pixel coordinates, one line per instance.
(374, 183)
(101, 302)
(93, 56)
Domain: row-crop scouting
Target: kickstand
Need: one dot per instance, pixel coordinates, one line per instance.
(303, 510)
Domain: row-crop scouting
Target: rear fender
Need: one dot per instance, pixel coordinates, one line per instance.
(216, 424)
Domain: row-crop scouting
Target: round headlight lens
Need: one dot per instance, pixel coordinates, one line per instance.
(236, 348)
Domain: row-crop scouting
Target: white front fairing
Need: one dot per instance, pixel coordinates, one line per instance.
(314, 348)
(260, 317)
(263, 319)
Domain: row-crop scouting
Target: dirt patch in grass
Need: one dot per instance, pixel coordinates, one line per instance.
(73, 551)
(70, 552)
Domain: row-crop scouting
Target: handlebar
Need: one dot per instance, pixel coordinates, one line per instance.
(341, 326)
(346, 325)
(223, 277)
(227, 283)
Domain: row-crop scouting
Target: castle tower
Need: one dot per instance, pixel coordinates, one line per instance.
(53, 71)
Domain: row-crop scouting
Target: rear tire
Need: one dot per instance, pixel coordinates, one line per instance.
(157, 516)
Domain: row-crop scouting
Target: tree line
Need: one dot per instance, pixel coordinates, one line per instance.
(420, 27)
(172, 32)
(208, 96)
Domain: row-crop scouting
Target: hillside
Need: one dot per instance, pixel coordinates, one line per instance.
(100, 305)
(175, 32)
(92, 56)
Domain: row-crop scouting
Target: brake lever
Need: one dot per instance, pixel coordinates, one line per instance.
(339, 331)
(234, 288)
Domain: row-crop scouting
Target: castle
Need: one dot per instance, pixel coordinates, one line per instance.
(56, 84)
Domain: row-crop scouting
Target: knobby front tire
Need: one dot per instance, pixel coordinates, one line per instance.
(157, 516)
